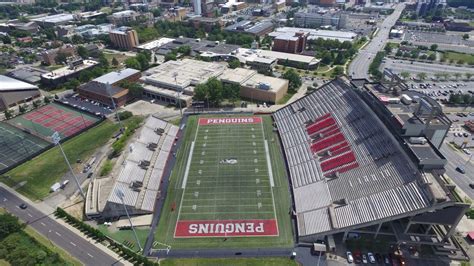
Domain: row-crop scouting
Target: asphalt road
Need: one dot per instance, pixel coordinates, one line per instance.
(455, 159)
(359, 67)
(62, 237)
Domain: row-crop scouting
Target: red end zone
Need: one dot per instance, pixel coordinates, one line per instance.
(230, 120)
(226, 228)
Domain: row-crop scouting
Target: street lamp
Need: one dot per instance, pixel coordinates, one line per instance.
(120, 194)
(108, 88)
(175, 75)
(57, 141)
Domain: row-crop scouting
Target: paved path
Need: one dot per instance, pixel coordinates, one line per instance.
(79, 247)
(359, 67)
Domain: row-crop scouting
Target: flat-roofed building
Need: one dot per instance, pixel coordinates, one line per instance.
(250, 27)
(124, 38)
(313, 34)
(249, 56)
(295, 43)
(13, 92)
(256, 86)
(315, 17)
(154, 45)
(61, 75)
(117, 77)
(54, 20)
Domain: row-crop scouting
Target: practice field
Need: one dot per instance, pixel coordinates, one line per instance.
(16, 145)
(228, 187)
(45, 120)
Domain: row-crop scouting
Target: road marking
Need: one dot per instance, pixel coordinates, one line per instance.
(42, 224)
(29, 215)
(57, 233)
(72, 243)
(90, 255)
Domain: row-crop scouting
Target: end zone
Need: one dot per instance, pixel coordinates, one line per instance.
(230, 121)
(226, 228)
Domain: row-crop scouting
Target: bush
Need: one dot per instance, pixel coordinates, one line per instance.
(106, 168)
(125, 115)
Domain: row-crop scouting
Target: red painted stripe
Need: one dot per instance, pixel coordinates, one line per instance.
(225, 228)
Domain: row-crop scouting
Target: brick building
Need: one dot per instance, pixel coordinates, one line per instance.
(294, 44)
(124, 38)
(97, 91)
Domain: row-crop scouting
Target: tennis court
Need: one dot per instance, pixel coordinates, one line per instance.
(228, 181)
(45, 120)
(16, 145)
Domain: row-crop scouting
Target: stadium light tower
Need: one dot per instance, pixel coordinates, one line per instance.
(108, 88)
(57, 141)
(175, 75)
(120, 194)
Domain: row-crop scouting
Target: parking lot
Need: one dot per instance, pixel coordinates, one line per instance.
(87, 105)
(442, 90)
(430, 69)
(433, 37)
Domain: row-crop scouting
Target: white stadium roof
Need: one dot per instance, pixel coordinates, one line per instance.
(11, 84)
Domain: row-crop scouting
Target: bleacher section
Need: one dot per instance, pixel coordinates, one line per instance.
(141, 172)
(336, 146)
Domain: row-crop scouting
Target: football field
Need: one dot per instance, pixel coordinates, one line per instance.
(228, 181)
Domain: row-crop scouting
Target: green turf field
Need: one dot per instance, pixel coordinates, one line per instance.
(218, 189)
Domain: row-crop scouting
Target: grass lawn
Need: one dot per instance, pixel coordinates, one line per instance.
(46, 169)
(48, 244)
(126, 235)
(233, 262)
(467, 58)
(166, 226)
(120, 58)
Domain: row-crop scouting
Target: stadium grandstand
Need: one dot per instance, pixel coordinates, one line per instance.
(350, 173)
(137, 179)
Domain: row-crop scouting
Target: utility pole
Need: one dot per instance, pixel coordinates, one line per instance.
(108, 88)
(175, 75)
(120, 194)
(57, 141)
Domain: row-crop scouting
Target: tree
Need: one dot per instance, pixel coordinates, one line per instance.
(135, 89)
(22, 108)
(234, 63)
(434, 47)
(201, 92)
(143, 61)
(432, 57)
(170, 57)
(61, 58)
(47, 99)
(467, 99)
(338, 71)
(6, 39)
(10, 224)
(421, 75)
(465, 36)
(85, 76)
(82, 52)
(231, 92)
(399, 53)
(405, 75)
(115, 62)
(77, 39)
(388, 48)
(294, 80)
(36, 103)
(132, 62)
(339, 60)
(8, 114)
(103, 61)
(326, 58)
(215, 91)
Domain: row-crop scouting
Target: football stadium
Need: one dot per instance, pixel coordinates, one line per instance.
(353, 163)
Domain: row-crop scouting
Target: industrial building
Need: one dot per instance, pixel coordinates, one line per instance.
(13, 92)
(124, 38)
(256, 86)
(137, 184)
(27, 74)
(61, 75)
(314, 34)
(354, 168)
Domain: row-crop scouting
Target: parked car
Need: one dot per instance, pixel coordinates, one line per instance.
(466, 151)
(471, 185)
(461, 169)
(23, 206)
(364, 259)
(371, 257)
(386, 260)
(350, 259)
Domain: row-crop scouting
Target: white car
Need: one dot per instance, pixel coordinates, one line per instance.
(350, 259)
(466, 151)
(371, 257)
(364, 259)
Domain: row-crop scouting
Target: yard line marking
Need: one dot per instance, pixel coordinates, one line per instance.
(57, 233)
(73, 244)
(270, 171)
(188, 165)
